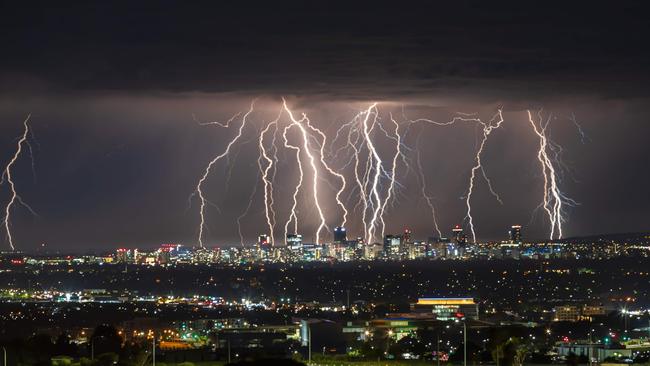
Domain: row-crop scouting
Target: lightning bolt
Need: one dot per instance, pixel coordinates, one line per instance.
(292, 216)
(362, 191)
(340, 176)
(487, 130)
(553, 199)
(206, 172)
(243, 214)
(217, 123)
(7, 177)
(270, 168)
(312, 162)
(423, 190)
(274, 171)
(363, 158)
(393, 173)
(377, 163)
(583, 136)
(368, 167)
(354, 144)
(268, 183)
(478, 165)
(461, 117)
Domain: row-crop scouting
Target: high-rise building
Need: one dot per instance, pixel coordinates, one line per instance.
(340, 235)
(126, 255)
(406, 248)
(514, 234)
(164, 255)
(392, 246)
(459, 236)
(121, 255)
(264, 240)
(310, 252)
(407, 235)
(294, 241)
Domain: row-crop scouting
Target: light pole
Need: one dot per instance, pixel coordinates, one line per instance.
(648, 313)
(438, 347)
(461, 317)
(309, 343)
(4, 357)
(498, 354)
(591, 344)
(464, 342)
(153, 350)
(228, 349)
(92, 346)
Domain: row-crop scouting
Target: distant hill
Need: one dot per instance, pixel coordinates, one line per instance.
(632, 238)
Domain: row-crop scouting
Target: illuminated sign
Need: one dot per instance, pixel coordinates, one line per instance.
(446, 301)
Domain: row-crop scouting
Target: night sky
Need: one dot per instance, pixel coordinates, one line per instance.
(112, 91)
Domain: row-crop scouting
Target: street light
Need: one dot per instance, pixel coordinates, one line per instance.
(461, 316)
(390, 334)
(309, 342)
(438, 347)
(92, 346)
(153, 350)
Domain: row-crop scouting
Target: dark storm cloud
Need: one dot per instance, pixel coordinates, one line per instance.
(357, 51)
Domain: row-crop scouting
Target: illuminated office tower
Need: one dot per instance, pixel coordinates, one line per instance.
(458, 235)
(340, 235)
(294, 242)
(263, 240)
(392, 246)
(514, 234)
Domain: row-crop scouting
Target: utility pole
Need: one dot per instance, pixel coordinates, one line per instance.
(153, 350)
(228, 349)
(348, 298)
(498, 353)
(438, 348)
(463, 318)
(309, 342)
(591, 343)
(464, 342)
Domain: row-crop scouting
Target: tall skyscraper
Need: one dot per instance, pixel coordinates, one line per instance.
(514, 234)
(392, 246)
(294, 245)
(458, 235)
(407, 235)
(263, 240)
(406, 247)
(340, 235)
(294, 240)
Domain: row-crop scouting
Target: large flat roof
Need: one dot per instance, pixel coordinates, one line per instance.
(446, 301)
